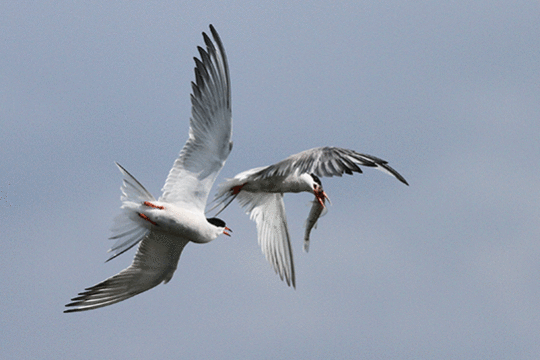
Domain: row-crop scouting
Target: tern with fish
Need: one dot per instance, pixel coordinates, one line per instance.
(260, 192)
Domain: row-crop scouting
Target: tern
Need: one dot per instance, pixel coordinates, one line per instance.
(260, 192)
(164, 227)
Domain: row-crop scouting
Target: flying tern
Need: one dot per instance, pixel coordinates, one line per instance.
(260, 192)
(164, 227)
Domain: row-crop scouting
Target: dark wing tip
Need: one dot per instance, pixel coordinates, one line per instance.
(403, 180)
(395, 173)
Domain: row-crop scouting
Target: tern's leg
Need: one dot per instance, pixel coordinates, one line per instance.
(147, 219)
(236, 189)
(148, 203)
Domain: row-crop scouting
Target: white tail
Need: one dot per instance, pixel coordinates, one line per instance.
(127, 229)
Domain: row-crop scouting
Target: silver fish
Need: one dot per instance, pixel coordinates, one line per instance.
(317, 209)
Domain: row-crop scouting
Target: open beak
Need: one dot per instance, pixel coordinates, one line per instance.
(321, 196)
(225, 231)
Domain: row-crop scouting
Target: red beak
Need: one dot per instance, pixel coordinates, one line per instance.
(225, 231)
(321, 197)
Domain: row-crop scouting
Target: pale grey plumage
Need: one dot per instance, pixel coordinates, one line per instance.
(268, 212)
(326, 161)
(163, 228)
(260, 192)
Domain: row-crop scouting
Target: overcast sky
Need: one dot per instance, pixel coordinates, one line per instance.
(447, 92)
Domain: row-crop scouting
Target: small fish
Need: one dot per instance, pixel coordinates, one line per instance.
(317, 210)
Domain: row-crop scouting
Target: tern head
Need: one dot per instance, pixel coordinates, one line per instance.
(318, 189)
(220, 226)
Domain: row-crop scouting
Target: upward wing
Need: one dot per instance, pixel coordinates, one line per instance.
(155, 262)
(326, 161)
(210, 132)
(268, 211)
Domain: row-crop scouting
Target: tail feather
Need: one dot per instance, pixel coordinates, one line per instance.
(127, 240)
(224, 195)
(127, 230)
(132, 190)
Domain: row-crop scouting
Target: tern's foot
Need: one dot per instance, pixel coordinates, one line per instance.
(147, 219)
(148, 203)
(236, 189)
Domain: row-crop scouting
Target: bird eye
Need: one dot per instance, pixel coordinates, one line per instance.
(316, 179)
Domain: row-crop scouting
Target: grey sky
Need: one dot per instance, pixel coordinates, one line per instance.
(447, 92)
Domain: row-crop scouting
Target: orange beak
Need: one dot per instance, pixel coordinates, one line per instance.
(321, 197)
(225, 231)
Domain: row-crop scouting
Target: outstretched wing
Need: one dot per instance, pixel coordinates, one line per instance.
(326, 161)
(268, 211)
(210, 132)
(155, 262)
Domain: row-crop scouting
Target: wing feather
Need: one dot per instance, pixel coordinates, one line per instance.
(268, 211)
(326, 161)
(209, 144)
(155, 262)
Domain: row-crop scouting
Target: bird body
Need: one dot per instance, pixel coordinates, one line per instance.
(175, 220)
(260, 192)
(163, 227)
(276, 184)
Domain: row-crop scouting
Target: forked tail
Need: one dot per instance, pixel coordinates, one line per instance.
(127, 229)
(225, 195)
